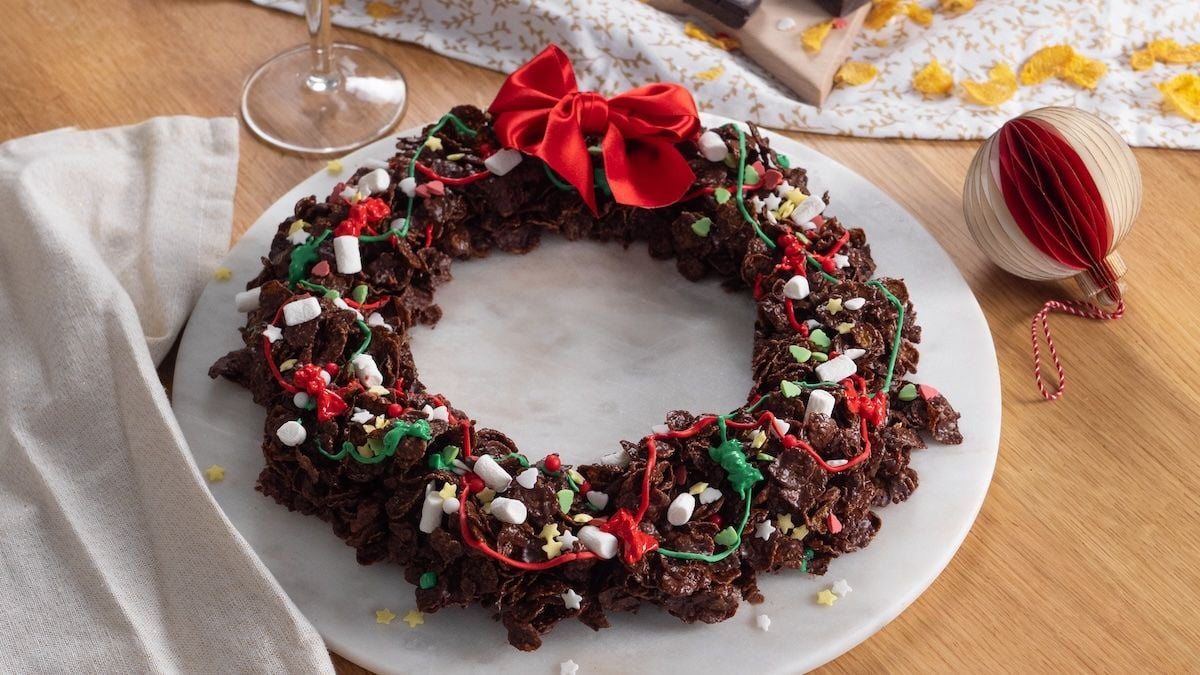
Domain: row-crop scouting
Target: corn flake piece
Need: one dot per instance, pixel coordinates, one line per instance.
(1184, 55)
(882, 11)
(1084, 72)
(813, 38)
(1142, 60)
(919, 14)
(933, 80)
(1181, 94)
(957, 6)
(1000, 87)
(1046, 63)
(723, 42)
(710, 74)
(855, 73)
(1163, 48)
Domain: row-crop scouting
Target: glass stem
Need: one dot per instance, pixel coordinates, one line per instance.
(320, 40)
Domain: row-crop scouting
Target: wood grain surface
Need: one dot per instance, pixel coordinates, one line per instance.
(1086, 556)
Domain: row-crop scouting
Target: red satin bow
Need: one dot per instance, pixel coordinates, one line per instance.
(541, 112)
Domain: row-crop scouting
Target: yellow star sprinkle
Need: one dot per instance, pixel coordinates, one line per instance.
(384, 616)
(826, 598)
(222, 273)
(486, 495)
(843, 328)
(368, 428)
(933, 80)
(297, 225)
(813, 38)
(795, 196)
(215, 473)
(786, 210)
(434, 143)
(710, 74)
(759, 440)
(553, 549)
(549, 531)
(582, 518)
(287, 365)
(834, 306)
(334, 166)
(448, 491)
(800, 532)
(784, 523)
(414, 618)
(697, 488)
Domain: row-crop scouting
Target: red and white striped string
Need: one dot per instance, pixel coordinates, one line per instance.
(1085, 310)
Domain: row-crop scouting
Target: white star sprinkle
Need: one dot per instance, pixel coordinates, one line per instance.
(272, 333)
(841, 588)
(361, 416)
(772, 202)
(298, 237)
(764, 530)
(571, 599)
(567, 539)
(783, 189)
(764, 622)
(568, 667)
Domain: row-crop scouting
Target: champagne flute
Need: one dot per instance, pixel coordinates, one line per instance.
(323, 98)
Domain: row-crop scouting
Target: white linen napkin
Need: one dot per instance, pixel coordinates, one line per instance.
(113, 555)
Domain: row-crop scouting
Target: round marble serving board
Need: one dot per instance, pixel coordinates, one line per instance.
(569, 349)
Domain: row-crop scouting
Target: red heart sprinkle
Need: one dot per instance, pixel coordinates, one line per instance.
(772, 179)
(321, 269)
(927, 392)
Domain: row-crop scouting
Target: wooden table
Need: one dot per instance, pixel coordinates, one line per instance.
(1086, 555)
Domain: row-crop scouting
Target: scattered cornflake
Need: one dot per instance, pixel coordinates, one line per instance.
(568, 667)
(711, 74)
(723, 42)
(841, 588)
(855, 73)
(957, 6)
(1046, 63)
(826, 598)
(384, 616)
(1000, 87)
(1168, 50)
(813, 37)
(1181, 94)
(414, 618)
(933, 80)
(1184, 55)
(764, 622)
(381, 10)
(1084, 72)
(1142, 60)
(919, 14)
(215, 473)
(882, 11)
(222, 273)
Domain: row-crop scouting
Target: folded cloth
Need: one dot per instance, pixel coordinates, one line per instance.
(113, 555)
(619, 44)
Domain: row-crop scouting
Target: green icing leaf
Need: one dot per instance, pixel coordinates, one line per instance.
(801, 354)
(819, 339)
(789, 389)
(701, 227)
(359, 293)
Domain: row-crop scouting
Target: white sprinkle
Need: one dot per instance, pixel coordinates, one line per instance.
(840, 588)
(361, 416)
(350, 194)
(680, 510)
(431, 511)
(709, 495)
(713, 147)
(836, 369)
(366, 370)
(780, 427)
(568, 667)
(373, 163)
(837, 462)
(756, 204)
(772, 202)
(764, 622)
(450, 506)
(408, 186)
(345, 252)
(597, 499)
(812, 324)
(509, 510)
(764, 530)
(841, 261)
(272, 333)
(855, 353)
(567, 539)
(783, 189)
(247, 301)
(376, 319)
(598, 541)
(819, 401)
(796, 288)
(807, 210)
(298, 237)
(398, 223)
(619, 458)
(374, 182)
(571, 599)
(503, 161)
(660, 429)
(300, 400)
(493, 475)
(298, 311)
(527, 478)
(460, 467)
(785, 24)
(291, 433)
(854, 304)
(438, 414)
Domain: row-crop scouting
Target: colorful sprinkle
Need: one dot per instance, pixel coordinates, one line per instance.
(697, 488)
(764, 530)
(215, 473)
(845, 327)
(834, 305)
(222, 273)
(819, 339)
(414, 618)
(841, 588)
(908, 392)
(835, 525)
(726, 537)
(764, 622)
(571, 599)
(568, 667)
(721, 195)
(565, 497)
(428, 580)
(384, 616)
(826, 598)
(801, 354)
(702, 226)
(433, 143)
(784, 523)
(334, 166)
(789, 389)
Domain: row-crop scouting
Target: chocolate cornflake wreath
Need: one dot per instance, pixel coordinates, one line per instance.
(684, 518)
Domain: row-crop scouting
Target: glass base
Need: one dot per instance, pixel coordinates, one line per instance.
(287, 105)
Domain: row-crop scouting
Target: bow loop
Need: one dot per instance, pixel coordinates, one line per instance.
(540, 111)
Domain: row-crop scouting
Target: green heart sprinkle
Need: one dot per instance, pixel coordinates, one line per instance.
(701, 227)
(784, 162)
(359, 293)
(565, 497)
(764, 457)
(721, 195)
(820, 357)
(801, 354)
(908, 392)
(751, 176)
(428, 580)
(789, 389)
(819, 339)
(726, 537)
(332, 294)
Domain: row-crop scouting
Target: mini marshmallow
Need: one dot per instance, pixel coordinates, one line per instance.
(837, 369)
(439, 414)
(681, 508)
(597, 499)
(376, 319)
(780, 427)
(247, 301)
(509, 510)
(493, 475)
(527, 478)
(796, 288)
(367, 371)
(603, 544)
(618, 458)
(854, 304)
(431, 512)
(819, 401)
(450, 506)
(713, 147)
(298, 311)
(376, 181)
(503, 161)
(301, 399)
(855, 353)
(807, 210)
(408, 186)
(291, 433)
(345, 251)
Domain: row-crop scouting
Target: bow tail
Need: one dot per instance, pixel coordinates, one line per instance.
(565, 151)
(648, 172)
